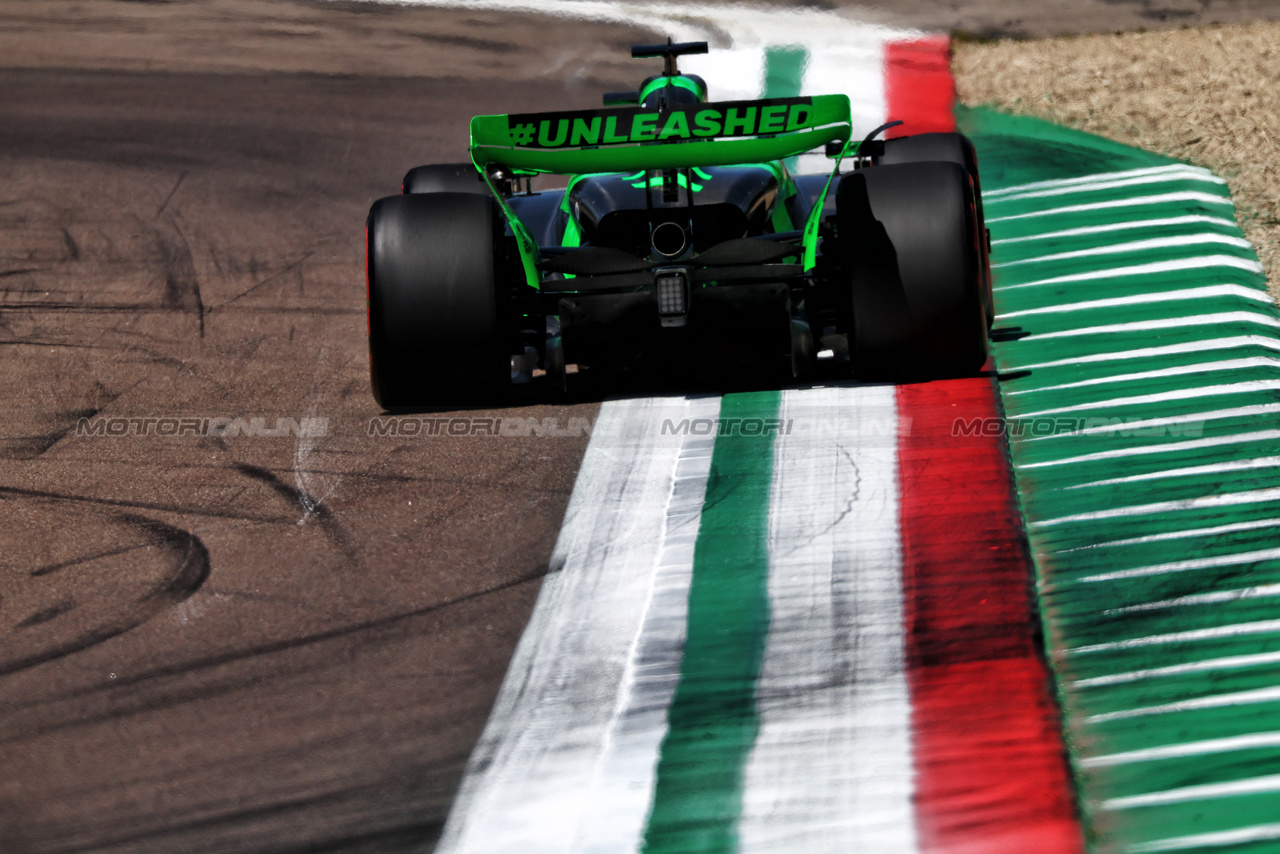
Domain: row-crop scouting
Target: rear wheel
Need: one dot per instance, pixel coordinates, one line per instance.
(444, 178)
(948, 148)
(908, 236)
(435, 318)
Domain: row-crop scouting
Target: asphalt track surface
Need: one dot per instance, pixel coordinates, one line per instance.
(240, 643)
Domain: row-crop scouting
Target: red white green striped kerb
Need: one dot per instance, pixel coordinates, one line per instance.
(830, 634)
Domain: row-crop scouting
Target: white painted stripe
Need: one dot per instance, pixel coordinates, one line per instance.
(1214, 562)
(1216, 839)
(1246, 387)
(615, 806)
(1136, 201)
(1193, 419)
(1204, 292)
(1208, 747)
(1262, 591)
(1155, 268)
(1187, 471)
(1159, 243)
(1136, 225)
(1180, 535)
(1234, 499)
(1163, 373)
(567, 760)
(1203, 792)
(1209, 665)
(1259, 627)
(1168, 172)
(1173, 447)
(1232, 342)
(1093, 185)
(831, 769)
(1215, 701)
(1192, 423)
(1215, 319)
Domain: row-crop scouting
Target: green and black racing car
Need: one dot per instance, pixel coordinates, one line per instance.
(682, 246)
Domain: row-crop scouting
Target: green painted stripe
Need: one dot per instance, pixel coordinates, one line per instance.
(1157, 549)
(784, 69)
(713, 720)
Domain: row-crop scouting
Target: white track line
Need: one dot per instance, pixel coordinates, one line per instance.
(1208, 747)
(1245, 387)
(1136, 201)
(1217, 597)
(1179, 370)
(1169, 172)
(1232, 342)
(1238, 630)
(1206, 791)
(1186, 471)
(1214, 701)
(1179, 535)
(1136, 225)
(1155, 243)
(1216, 839)
(1215, 319)
(567, 760)
(1104, 186)
(1208, 665)
(1202, 292)
(1155, 268)
(1173, 447)
(1214, 562)
(831, 769)
(1235, 499)
(1190, 420)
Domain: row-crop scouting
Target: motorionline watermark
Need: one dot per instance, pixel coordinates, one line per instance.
(459, 426)
(224, 426)
(727, 426)
(1096, 425)
(570, 427)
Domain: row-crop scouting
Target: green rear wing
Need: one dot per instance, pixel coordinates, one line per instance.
(630, 139)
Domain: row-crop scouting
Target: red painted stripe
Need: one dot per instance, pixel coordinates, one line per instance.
(990, 763)
(918, 85)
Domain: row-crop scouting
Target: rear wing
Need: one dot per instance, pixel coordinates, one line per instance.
(630, 139)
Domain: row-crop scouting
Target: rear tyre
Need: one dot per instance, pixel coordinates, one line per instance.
(909, 240)
(435, 319)
(444, 178)
(932, 147)
(948, 148)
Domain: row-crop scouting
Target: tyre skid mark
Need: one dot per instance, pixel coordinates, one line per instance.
(189, 569)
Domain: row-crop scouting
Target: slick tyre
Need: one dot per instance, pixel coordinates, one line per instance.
(932, 147)
(443, 178)
(909, 240)
(435, 319)
(947, 148)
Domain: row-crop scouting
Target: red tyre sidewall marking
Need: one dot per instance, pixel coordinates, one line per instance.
(991, 769)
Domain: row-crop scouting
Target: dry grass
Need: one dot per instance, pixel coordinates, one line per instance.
(1210, 96)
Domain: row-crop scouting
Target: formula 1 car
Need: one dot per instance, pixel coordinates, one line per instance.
(681, 246)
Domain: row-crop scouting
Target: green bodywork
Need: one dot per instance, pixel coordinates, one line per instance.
(678, 80)
(767, 132)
